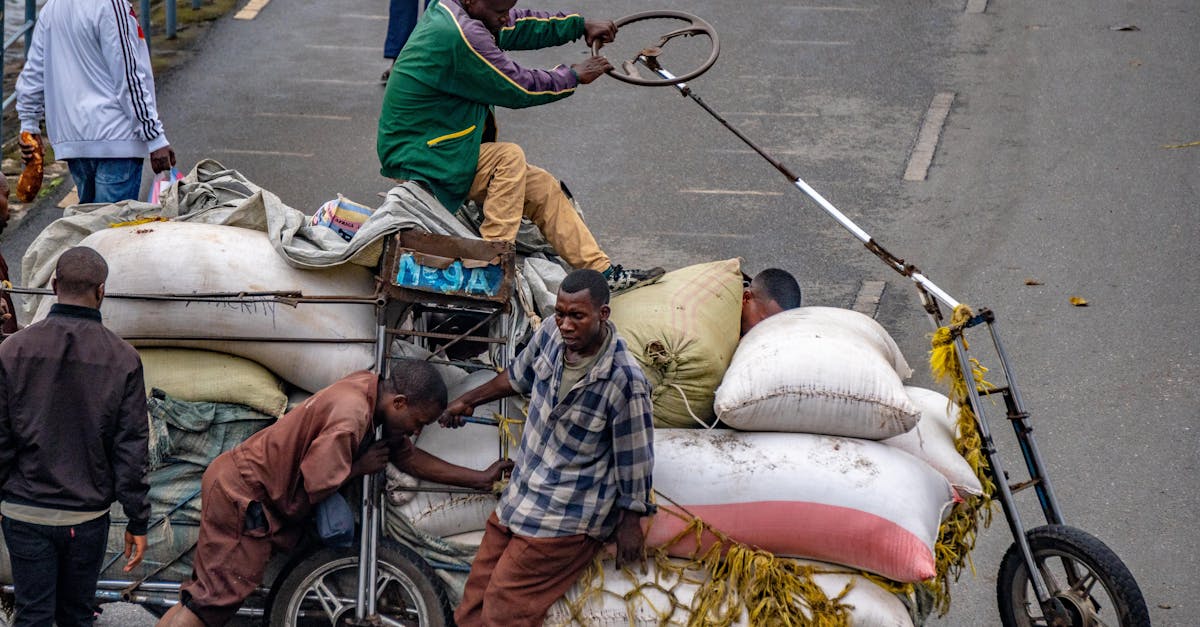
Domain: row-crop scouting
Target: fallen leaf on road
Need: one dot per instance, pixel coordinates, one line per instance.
(1079, 302)
(1125, 27)
(1187, 145)
(1033, 282)
(1135, 63)
(1163, 606)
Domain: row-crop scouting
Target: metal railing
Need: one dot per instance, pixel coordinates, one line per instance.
(171, 20)
(26, 31)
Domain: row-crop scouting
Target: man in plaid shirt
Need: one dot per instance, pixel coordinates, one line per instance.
(583, 469)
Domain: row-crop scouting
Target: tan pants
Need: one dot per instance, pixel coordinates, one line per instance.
(508, 188)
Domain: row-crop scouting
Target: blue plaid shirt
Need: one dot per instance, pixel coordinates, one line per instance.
(583, 457)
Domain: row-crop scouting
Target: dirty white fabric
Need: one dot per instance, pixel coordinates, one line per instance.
(213, 194)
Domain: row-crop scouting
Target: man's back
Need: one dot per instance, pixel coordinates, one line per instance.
(74, 431)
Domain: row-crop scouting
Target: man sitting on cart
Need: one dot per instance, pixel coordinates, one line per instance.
(771, 291)
(437, 125)
(258, 496)
(583, 470)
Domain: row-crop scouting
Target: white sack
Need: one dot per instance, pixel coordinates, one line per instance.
(932, 440)
(181, 257)
(837, 500)
(817, 370)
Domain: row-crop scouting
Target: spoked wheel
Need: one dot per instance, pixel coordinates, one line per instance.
(1093, 585)
(692, 26)
(323, 590)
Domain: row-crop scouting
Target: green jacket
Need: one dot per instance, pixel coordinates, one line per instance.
(446, 81)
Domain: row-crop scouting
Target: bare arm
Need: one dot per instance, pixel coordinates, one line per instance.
(499, 387)
(430, 467)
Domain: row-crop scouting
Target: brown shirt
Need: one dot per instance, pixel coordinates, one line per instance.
(307, 454)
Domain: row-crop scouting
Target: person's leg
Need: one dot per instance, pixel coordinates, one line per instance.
(34, 559)
(469, 612)
(499, 187)
(402, 19)
(118, 179)
(83, 172)
(532, 574)
(232, 549)
(78, 568)
(547, 206)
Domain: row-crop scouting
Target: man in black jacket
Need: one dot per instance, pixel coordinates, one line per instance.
(72, 440)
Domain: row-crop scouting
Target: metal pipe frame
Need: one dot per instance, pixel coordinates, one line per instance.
(368, 546)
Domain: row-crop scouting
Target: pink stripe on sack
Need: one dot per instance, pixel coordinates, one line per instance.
(839, 535)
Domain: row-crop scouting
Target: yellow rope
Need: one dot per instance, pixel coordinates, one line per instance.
(137, 222)
(957, 534)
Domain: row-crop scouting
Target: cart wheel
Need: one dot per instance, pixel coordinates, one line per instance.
(1072, 563)
(322, 590)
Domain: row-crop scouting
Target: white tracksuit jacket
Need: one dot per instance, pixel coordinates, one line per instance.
(88, 72)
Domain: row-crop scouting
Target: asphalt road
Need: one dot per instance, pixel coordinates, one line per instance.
(1052, 166)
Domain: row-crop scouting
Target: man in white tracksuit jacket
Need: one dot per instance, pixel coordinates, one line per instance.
(88, 73)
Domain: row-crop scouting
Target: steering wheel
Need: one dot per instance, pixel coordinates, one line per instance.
(649, 55)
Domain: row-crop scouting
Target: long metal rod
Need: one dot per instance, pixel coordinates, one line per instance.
(1033, 459)
(1000, 478)
(248, 338)
(282, 297)
(897, 264)
(368, 545)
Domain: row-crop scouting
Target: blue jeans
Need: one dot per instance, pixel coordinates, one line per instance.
(55, 571)
(107, 180)
(402, 19)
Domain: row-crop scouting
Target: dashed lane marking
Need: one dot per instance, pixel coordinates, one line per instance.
(806, 42)
(336, 81)
(304, 116)
(696, 234)
(72, 198)
(264, 153)
(773, 114)
(251, 10)
(869, 295)
(337, 47)
(360, 16)
(830, 8)
(729, 192)
(976, 6)
(928, 137)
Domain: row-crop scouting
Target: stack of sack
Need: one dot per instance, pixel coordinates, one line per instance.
(212, 390)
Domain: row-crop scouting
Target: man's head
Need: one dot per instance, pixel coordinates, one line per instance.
(410, 397)
(581, 311)
(772, 291)
(493, 13)
(79, 277)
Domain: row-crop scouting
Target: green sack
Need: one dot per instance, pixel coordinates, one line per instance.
(683, 330)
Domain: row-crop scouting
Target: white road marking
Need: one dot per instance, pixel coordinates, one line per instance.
(773, 114)
(695, 234)
(927, 139)
(739, 151)
(250, 11)
(312, 116)
(729, 192)
(72, 198)
(335, 81)
(829, 8)
(337, 47)
(869, 295)
(360, 16)
(803, 42)
(976, 6)
(265, 153)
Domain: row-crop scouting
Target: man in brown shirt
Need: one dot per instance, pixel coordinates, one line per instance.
(73, 436)
(258, 496)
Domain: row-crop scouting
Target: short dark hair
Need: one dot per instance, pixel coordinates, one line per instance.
(418, 381)
(780, 286)
(590, 280)
(79, 271)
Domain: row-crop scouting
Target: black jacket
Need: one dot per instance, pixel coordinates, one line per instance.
(73, 430)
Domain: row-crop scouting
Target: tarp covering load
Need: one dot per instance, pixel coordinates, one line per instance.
(185, 438)
(933, 440)
(818, 370)
(196, 375)
(683, 330)
(178, 257)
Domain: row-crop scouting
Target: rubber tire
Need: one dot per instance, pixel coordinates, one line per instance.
(390, 552)
(1083, 548)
